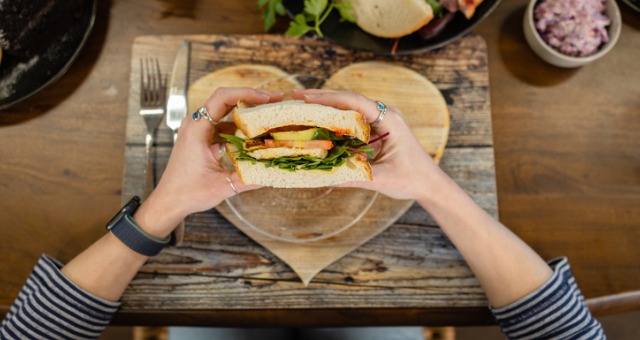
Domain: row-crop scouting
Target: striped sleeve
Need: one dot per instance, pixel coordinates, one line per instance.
(52, 307)
(556, 310)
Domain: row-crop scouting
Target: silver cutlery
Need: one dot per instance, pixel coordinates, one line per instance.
(177, 105)
(177, 102)
(152, 110)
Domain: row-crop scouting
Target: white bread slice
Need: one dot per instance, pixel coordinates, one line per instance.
(354, 169)
(256, 120)
(391, 19)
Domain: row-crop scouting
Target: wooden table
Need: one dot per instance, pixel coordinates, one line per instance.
(566, 150)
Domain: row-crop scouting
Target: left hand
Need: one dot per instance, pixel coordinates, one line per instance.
(402, 168)
(194, 180)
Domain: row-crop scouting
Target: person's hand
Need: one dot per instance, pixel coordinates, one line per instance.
(194, 180)
(401, 167)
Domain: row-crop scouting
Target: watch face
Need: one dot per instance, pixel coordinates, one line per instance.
(127, 209)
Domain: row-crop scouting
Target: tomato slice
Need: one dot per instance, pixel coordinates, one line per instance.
(301, 144)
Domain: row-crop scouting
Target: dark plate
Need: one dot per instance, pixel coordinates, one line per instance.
(19, 81)
(350, 35)
(635, 4)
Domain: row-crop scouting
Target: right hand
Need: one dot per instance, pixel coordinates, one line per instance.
(402, 167)
(194, 179)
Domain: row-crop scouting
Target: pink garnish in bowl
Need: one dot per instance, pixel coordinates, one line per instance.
(571, 33)
(573, 27)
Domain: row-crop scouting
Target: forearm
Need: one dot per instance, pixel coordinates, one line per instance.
(107, 266)
(506, 267)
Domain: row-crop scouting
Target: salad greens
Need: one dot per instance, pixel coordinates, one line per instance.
(269, 9)
(315, 12)
(438, 9)
(343, 149)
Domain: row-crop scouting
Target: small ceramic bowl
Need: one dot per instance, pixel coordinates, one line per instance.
(554, 57)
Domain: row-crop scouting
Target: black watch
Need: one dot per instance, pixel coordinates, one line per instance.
(125, 228)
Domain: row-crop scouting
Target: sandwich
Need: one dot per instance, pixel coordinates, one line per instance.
(395, 19)
(391, 19)
(292, 144)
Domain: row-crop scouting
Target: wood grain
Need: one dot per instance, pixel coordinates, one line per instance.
(566, 150)
(566, 144)
(212, 269)
(242, 75)
(406, 90)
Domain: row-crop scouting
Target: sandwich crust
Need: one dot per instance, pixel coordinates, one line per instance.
(257, 120)
(354, 169)
(391, 19)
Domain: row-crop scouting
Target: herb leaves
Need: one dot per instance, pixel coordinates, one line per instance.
(315, 12)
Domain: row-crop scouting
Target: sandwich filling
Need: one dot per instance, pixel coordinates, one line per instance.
(295, 148)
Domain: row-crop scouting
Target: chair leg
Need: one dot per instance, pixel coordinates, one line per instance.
(439, 333)
(150, 333)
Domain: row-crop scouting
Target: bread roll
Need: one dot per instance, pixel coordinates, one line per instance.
(391, 19)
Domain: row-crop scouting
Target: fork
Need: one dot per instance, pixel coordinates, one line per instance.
(152, 110)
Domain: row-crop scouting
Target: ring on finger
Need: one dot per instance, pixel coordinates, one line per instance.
(231, 184)
(202, 112)
(383, 111)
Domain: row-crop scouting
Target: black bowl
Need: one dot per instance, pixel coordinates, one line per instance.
(635, 4)
(350, 35)
(20, 81)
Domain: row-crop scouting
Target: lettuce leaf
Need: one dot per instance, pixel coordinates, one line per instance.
(337, 156)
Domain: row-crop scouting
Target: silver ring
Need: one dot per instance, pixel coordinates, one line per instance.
(383, 111)
(231, 184)
(202, 112)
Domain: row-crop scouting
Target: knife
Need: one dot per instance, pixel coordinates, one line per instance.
(177, 101)
(177, 107)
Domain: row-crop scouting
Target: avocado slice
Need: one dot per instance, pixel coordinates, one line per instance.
(308, 134)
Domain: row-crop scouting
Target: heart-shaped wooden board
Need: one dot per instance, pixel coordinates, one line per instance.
(301, 226)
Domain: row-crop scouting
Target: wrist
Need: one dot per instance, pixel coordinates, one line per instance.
(435, 187)
(157, 216)
(123, 227)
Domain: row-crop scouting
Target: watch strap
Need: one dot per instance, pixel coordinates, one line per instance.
(137, 239)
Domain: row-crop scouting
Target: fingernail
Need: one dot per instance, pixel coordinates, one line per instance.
(312, 95)
(264, 93)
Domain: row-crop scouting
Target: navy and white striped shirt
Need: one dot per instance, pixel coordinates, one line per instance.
(52, 307)
(557, 310)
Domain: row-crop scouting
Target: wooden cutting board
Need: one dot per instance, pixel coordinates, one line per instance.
(311, 228)
(410, 264)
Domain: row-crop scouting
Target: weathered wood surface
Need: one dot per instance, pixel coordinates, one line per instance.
(566, 145)
(459, 71)
(410, 265)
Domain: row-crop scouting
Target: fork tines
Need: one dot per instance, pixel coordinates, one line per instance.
(151, 84)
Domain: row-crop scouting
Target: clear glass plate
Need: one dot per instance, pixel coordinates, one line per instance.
(301, 215)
